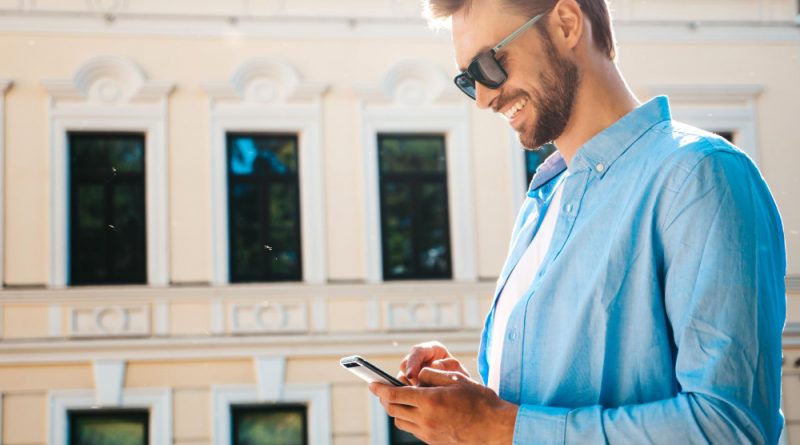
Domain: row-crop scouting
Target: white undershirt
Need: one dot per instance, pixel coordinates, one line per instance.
(518, 283)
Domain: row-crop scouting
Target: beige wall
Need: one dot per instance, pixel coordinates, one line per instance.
(30, 58)
(186, 337)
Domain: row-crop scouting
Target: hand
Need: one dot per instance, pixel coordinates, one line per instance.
(449, 408)
(428, 355)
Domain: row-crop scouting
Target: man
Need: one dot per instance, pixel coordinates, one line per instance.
(642, 300)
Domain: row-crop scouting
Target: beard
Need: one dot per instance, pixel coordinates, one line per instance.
(553, 100)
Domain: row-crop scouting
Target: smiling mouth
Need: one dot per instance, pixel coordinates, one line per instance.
(514, 109)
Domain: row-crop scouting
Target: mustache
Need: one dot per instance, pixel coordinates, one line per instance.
(511, 98)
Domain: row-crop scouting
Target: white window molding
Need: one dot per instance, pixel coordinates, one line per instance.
(417, 97)
(379, 422)
(268, 95)
(110, 93)
(717, 108)
(519, 187)
(5, 84)
(271, 389)
(158, 401)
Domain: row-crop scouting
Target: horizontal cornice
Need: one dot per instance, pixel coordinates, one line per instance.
(378, 25)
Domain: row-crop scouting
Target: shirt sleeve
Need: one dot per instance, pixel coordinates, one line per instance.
(723, 268)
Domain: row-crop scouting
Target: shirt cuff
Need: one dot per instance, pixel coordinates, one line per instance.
(540, 425)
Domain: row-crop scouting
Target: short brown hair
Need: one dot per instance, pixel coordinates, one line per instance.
(596, 10)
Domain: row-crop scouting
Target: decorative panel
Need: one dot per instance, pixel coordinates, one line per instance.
(268, 317)
(109, 321)
(421, 314)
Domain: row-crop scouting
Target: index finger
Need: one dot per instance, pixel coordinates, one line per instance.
(417, 359)
(401, 395)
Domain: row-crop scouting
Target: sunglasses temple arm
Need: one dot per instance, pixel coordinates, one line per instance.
(519, 31)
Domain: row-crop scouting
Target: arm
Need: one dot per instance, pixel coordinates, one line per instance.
(724, 266)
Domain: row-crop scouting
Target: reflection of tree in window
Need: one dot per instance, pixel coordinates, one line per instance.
(108, 427)
(269, 425)
(263, 207)
(414, 214)
(107, 209)
(533, 159)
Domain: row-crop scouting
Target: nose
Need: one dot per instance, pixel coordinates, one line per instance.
(484, 96)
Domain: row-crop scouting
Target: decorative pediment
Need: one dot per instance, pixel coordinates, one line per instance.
(109, 80)
(412, 83)
(266, 80)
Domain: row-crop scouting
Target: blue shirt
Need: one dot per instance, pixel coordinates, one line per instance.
(656, 316)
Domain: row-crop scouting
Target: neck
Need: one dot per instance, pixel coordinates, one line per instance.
(602, 98)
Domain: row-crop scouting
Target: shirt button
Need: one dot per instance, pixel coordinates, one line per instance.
(600, 168)
(512, 335)
(568, 208)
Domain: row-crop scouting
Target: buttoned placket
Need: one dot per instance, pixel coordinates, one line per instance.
(511, 379)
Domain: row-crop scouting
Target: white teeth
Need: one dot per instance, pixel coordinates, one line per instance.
(509, 114)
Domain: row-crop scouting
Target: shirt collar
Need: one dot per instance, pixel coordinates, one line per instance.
(547, 170)
(600, 152)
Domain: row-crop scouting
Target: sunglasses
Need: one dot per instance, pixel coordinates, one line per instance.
(485, 68)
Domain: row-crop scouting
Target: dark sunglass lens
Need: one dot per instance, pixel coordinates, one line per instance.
(487, 71)
(466, 84)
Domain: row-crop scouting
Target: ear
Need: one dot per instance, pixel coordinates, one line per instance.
(568, 22)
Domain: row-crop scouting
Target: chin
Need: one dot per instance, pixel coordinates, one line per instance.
(527, 138)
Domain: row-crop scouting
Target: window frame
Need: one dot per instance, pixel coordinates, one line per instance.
(141, 414)
(269, 407)
(157, 401)
(5, 84)
(272, 389)
(267, 95)
(138, 105)
(72, 214)
(261, 181)
(413, 178)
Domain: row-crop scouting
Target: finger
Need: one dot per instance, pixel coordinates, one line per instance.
(398, 411)
(403, 379)
(435, 377)
(447, 364)
(405, 395)
(422, 355)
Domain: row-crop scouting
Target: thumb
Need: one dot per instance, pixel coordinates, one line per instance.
(435, 377)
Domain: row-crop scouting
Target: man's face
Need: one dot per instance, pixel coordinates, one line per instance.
(538, 97)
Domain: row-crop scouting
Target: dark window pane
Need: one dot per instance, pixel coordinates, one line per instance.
(107, 209)
(533, 159)
(414, 211)
(400, 437)
(727, 135)
(269, 425)
(416, 154)
(264, 208)
(108, 427)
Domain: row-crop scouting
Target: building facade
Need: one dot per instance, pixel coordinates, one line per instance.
(206, 204)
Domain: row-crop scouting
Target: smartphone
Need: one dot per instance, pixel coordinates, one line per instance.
(368, 372)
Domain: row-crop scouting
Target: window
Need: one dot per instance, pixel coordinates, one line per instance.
(415, 233)
(263, 207)
(533, 159)
(107, 209)
(400, 437)
(727, 135)
(108, 427)
(269, 425)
